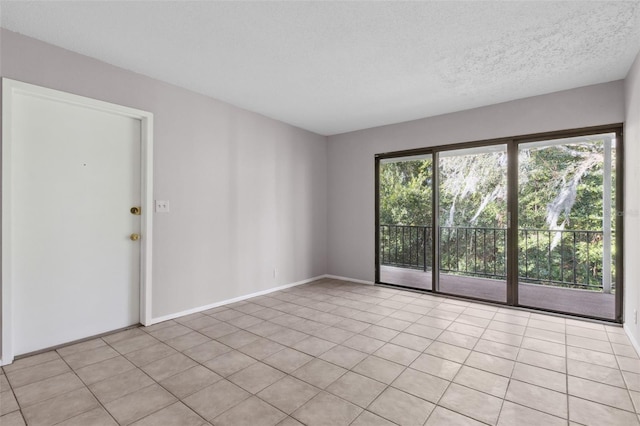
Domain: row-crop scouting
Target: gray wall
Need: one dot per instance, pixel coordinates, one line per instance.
(351, 157)
(248, 193)
(632, 199)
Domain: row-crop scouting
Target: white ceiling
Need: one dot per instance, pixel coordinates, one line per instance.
(333, 67)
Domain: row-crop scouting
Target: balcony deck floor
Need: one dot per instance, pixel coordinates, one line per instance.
(572, 301)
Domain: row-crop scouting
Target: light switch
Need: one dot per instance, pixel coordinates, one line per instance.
(162, 206)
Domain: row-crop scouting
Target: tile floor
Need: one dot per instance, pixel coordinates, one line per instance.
(336, 353)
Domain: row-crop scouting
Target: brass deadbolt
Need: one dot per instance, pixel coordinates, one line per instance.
(135, 210)
(134, 237)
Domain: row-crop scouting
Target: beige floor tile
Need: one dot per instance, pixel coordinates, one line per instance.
(186, 341)
(411, 341)
(134, 343)
(104, 369)
(190, 381)
(287, 360)
(8, 402)
(514, 414)
(313, 346)
(380, 333)
(327, 410)
(541, 377)
(449, 352)
(543, 360)
(37, 372)
(538, 398)
(229, 363)
(288, 394)
(81, 359)
(624, 350)
(405, 315)
(158, 326)
(601, 393)
(120, 385)
(174, 414)
(357, 389)
(343, 356)
(214, 400)
(401, 407)
(31, 361)
(379, 369)
(551, 348)
(60, 408)
(436, 366)
(471, 403)
(81, 347)
(397, 354)
(425, 331)
(587, 332)
(364, 344)
(265, 329)
(206, 351)
(256, 377)
(457, 339)
(497, 349)
(167, 367)
(367, 418)
(509, 318)
(218, 330)
(261, 348)
(626, 364)
(288, 337)
(139, 404)
(319, 373)
(4, 383)
(483, 381)
(12, 419)
(591, 356)
(502, 337)
(170, 332)
(238, 339)
(545, 324)
(245, 321)
(609, 376)
(394, 323)
(588, 343)
(334, 334)
(443, 417)
(420, 384)
(550, 336)
(632, 380)
(201, 322)
(250, 412)
(593, 414)
(48, 388)
(434, 322)
(504, 327)
(96, 417)
(466, 329)
(150, 354)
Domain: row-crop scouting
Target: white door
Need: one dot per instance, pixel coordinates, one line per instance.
(76, 173)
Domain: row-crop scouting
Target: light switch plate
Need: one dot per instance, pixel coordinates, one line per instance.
(162, 206)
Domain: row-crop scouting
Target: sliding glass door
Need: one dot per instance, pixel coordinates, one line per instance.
(567, 225)
(527, 222)
(473, 222)
(405, 230)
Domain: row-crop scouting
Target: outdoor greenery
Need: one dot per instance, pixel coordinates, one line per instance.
(560, 212)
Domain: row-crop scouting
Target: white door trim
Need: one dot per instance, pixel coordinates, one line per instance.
(13, 87)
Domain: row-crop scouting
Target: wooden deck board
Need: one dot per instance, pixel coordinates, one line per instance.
(573, 301)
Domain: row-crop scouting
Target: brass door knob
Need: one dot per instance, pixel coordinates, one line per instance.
(135, 210)
(134, 237)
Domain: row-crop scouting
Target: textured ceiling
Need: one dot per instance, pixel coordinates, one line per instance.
(333, 67)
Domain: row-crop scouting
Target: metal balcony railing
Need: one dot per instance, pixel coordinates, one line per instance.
(568, 258)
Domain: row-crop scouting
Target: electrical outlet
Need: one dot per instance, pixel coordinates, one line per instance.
(162, 206)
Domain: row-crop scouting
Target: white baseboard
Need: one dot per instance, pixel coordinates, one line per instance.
(632, 339)
(337, 277)
(228, 301)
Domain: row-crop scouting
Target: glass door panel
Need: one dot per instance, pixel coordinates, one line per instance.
(405, 218)
(473, 222)
(566, 225)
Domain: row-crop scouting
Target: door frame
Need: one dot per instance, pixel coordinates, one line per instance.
(10, 88)
(512, 143)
